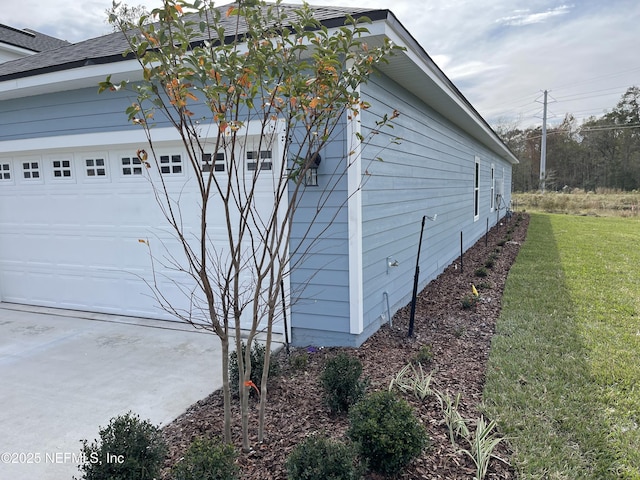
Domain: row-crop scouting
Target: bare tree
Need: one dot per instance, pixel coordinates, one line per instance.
(255, 92)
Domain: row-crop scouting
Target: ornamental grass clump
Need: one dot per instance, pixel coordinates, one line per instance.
(481, 446)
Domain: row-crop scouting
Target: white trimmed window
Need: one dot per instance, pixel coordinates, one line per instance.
(61, 169)
(208, 162)
(31, 170)
(492, 200)
(95, 167)
(6, 175)
(171, 164)
(131, 166)
(476, 190)
(264, 159)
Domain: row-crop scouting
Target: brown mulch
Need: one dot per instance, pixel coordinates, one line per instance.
(459, 339)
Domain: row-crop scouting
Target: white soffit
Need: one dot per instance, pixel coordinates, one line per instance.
(415, 71)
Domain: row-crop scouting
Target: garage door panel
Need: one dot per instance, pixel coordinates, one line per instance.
(75, 243)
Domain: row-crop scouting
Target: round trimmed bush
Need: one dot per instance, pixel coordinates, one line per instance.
(387, 431)
(207, 459)
(319, 457)
(128, 448)
(341, 382)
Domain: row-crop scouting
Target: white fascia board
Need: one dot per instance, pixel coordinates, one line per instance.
(22, 52)
(88, 140)
(396, 33)
(71, 79)
(354, 209)
(125, 137)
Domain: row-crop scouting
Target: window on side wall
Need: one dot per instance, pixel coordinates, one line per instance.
(492, 200)
(476, 190)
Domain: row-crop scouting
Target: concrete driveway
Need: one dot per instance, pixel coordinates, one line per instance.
(63, 374)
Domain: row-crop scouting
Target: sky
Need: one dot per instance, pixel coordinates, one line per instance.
(501, 54)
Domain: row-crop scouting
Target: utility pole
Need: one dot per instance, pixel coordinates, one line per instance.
(543, 146)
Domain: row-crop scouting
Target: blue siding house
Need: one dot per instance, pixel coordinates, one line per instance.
(72, 206)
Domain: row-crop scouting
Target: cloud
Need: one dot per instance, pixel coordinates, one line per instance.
(525, 17)
(499, 53)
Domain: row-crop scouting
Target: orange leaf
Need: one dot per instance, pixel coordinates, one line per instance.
(178, 8)
(314, 102)
(250, 384)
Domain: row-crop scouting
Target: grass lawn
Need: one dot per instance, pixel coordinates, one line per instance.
(563, 380)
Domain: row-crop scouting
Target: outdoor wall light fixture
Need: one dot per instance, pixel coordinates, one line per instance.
(311, 175)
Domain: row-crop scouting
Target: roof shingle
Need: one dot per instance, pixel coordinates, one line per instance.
(109, 48)
(29, 39)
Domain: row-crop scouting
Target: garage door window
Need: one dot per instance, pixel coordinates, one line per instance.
(95, 167)
(31, 170)
(218, 165)
(264, 159)
(5, 172)
(131, 166)
(170, 164)
(62, 168)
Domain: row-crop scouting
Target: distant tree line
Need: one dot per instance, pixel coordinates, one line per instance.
(603, 152)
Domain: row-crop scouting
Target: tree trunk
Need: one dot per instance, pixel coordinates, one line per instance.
(225, 388)
(263, 383)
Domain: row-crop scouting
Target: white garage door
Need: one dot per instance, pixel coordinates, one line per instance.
(72, 221)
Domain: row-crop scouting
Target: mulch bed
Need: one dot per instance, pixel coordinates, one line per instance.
(459, 339)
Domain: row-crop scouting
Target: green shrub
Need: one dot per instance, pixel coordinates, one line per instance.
(502, 242)
(490, 262)
(207, 459)
(481, 272)
(341, 382)
(299, 361)
(387, 432)
(257, 365)
(424, 355)
(129, 448)
(319, 457)
(469, 301)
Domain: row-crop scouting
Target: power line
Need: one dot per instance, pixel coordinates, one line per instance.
(601, 77)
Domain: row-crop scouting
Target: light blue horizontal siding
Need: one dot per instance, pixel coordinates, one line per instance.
(320, 280)
(64, 113)
(74, 112)
(430, 172)
(320, 263)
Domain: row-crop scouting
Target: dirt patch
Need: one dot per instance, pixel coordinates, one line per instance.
(459, 340)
